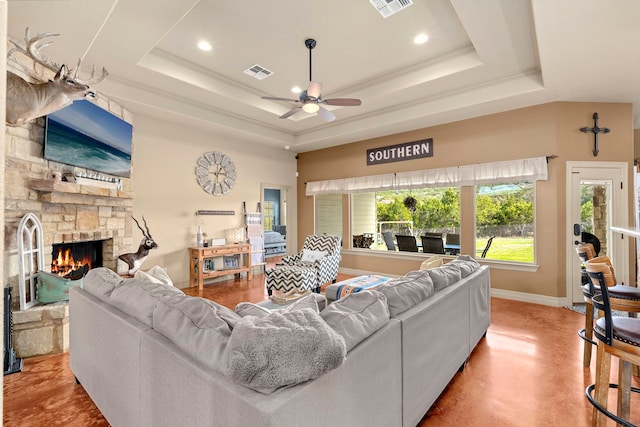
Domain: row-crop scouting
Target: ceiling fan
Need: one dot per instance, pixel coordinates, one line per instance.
(311, 100)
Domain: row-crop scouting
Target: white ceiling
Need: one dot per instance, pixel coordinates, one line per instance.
(482, 57)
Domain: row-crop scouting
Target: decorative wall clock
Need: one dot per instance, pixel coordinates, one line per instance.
(216, 173)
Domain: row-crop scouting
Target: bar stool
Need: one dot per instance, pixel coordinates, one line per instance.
(618, 336)
(586, 252)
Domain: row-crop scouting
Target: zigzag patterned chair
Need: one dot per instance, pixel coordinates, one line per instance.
(317, 263)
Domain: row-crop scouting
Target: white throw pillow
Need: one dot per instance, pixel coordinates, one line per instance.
(311, 256)
(155, 274)
(432, 262)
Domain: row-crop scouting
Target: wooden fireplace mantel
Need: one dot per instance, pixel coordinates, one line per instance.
(54, 186)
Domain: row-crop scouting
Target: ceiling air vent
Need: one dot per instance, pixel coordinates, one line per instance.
(258, 72)
(390, 7)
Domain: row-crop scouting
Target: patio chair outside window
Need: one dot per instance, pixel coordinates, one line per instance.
(407, 243)
(432, 245)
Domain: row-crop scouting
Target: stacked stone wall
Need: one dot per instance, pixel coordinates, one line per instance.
(69, 212)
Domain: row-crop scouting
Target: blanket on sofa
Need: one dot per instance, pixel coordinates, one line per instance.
(357, 284)
(282, 349)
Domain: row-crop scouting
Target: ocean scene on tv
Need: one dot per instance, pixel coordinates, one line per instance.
(87, 136)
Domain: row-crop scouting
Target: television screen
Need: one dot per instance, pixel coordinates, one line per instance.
(87, 136)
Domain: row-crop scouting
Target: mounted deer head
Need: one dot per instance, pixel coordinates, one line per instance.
(134, 260)
(27, 101)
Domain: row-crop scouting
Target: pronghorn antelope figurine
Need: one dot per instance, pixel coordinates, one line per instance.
(130, 263)
(27, 101)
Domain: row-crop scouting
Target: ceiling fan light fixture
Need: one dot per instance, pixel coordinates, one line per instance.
(310, 107)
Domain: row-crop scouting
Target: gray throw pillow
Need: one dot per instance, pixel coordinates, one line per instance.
(467, 264)
(307, 301)
(138, 298)
(199, 327)
(444, 276)
(312, 301)
(244, 309)
(356, 316)
(282, 349)
(407, 291)
(100, 282)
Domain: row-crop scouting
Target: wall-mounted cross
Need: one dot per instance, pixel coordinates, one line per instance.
(596, 130)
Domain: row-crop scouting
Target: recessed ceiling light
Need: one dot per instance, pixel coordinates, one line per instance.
(204, 45)
(421, 38)
(296, 89)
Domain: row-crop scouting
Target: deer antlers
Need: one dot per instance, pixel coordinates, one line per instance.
(146, 234)
(32, 47)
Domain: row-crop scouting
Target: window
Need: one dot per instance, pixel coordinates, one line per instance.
(428, 201)
(410, 212)
(504, 221)
(329, 214)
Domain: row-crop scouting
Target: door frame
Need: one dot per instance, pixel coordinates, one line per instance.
(285, 211)
(620, 218)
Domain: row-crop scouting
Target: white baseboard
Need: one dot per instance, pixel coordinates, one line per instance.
(532, 298)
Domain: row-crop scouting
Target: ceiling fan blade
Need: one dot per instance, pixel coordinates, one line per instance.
(326, 114)
(343, 102)
(275, 98)
(290, 112)
(314, 90)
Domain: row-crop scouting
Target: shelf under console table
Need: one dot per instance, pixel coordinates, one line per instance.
(200, 266)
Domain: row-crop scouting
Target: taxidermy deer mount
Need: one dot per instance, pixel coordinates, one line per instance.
(27, 101)
(134, 260)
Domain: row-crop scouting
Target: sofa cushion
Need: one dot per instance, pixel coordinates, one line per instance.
(138, 298)
(199, 327)
(356, 316)
(467, 264)
(405, 292)
(100, 282)
(444, 276)
(282, 349)
(312, 301)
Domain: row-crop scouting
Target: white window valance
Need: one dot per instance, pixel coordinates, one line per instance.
(507, 171)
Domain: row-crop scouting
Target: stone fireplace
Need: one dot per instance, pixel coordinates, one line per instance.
(95, 220)
(70, 212)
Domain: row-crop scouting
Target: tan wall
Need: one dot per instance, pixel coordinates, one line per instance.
(168, 195)
(550, 129)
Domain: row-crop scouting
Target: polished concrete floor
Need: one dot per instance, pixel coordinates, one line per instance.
(526, 372)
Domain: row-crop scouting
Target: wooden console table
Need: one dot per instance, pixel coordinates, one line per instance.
(197, 257)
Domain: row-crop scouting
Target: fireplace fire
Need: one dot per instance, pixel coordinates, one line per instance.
(73, 260)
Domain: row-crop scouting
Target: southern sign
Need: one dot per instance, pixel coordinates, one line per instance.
(400, 152)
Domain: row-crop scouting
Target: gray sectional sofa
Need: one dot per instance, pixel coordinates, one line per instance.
(142, 367)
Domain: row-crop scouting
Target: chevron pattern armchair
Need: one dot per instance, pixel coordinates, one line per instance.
(317, 263)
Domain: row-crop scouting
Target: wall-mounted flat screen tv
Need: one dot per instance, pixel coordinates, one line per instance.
(87, 136)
